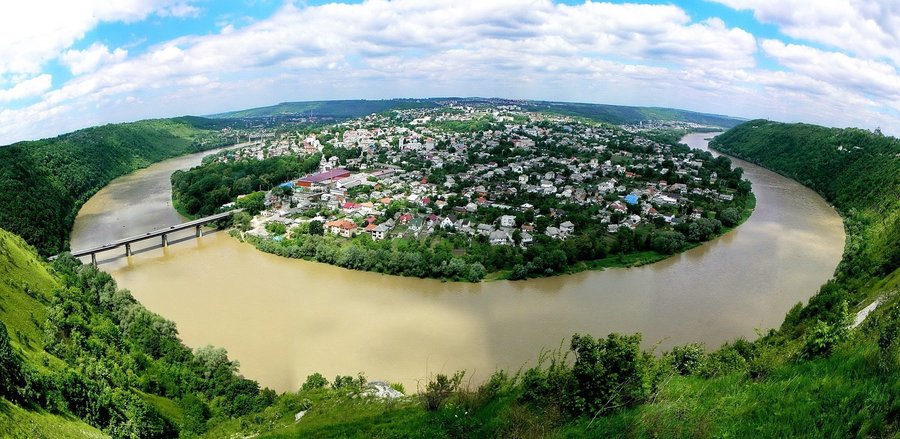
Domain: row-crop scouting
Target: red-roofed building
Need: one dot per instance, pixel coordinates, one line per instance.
(323, 178)
(344, 228)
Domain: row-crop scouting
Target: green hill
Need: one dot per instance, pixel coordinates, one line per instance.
(43, 183)
(78, 355)
(340, 109)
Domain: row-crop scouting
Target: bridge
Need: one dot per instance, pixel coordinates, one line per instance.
(196, 224)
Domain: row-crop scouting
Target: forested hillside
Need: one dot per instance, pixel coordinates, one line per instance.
(43, 183)
(75, 349)
(856, 170)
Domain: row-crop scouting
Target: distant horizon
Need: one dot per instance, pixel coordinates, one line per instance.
(219, 114)
(833, 63)
(210, 115)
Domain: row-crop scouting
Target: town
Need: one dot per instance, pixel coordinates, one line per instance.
(494, 175)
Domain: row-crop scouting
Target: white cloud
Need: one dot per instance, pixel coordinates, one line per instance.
(27, 88)
(36, 31)
(868, 28)
(840, 70)
(601, 52)
(86, 61)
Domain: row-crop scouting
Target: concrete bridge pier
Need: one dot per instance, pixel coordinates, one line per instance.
(165, 240)
(199, 232)
(94, 259)
(127, 250)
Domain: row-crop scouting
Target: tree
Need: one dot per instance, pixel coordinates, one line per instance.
(253, 203)
(730, 217)
(667, 241)
(10, 366)
(241, 221)
(316, 228)
(315, 381)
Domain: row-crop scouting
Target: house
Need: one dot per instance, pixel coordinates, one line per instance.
(448, 221)
(499, 237)
(405, 218)
(567, 228)
(552, 232)
(507, 221)
(380, 232)
(415, 224)
(527, 239)
(345, 228)
(485, 229)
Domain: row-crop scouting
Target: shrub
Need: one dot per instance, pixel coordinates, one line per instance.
(687, 359)
(438, 390)
(608, 373)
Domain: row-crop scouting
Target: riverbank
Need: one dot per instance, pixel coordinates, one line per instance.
(283, 247)
(219, 291)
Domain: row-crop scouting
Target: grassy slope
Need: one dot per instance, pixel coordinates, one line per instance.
(43, 183)
(23, 291)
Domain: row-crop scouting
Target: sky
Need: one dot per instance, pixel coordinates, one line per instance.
(73, 64)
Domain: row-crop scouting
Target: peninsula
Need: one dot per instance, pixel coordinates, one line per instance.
(468, 191)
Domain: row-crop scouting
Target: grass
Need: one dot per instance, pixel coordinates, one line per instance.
(844, 395)
(25, 285)
(16, 422)
(168, 408)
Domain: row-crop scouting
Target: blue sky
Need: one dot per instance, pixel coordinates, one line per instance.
(67, 66)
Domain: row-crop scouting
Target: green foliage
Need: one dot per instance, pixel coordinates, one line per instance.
(339, 109)
(688, 359)
(439, 389)
(44, 182)
(110, 351)
(730, 217)
(316, 228)
(252, 203)
(10, 367)
(315, 381)
(667, 241)
(202, 190)
(607, 375)
(276, 228)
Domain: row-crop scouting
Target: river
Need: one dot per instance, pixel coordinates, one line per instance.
(284, 319)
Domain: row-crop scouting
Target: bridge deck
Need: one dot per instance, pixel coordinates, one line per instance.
(155, 233)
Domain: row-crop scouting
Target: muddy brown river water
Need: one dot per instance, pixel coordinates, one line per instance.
(284, 319)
